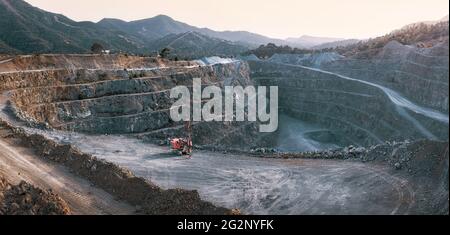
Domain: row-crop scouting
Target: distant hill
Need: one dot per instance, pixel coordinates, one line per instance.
(161, 25)
(422, 34)
(150, 29)
(430, 22)
(342, 43)
(27, 29)
(306, 41)
(267, 51)
(6, 49)
(195, 45)
(243, 37)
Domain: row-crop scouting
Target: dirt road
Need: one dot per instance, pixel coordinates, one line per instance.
(19, 163)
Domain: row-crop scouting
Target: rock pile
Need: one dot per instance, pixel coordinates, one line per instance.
(349, 152)
(25, 199)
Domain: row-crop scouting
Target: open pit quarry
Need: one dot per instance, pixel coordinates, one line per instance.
(94, 130)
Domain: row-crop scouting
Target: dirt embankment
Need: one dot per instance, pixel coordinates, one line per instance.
(85, 61)
(144, 195)
(26, 199)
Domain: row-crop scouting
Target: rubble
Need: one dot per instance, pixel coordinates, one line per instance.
(263, 150)
(395, 153)
(25, 199)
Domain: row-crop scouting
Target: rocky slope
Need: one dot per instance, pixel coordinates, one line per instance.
(130, 96)
(349, 111)
(393, 87)
(421, 74)
(118, 95)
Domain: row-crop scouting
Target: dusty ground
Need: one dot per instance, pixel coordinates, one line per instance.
(284, 186)
(18, 163)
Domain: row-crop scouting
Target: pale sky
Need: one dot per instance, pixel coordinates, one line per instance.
(274, 18)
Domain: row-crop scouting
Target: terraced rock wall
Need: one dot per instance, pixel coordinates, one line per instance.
(103, 98)
(421, 74)
(351, 111)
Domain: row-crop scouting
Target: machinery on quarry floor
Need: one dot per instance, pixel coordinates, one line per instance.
(183, 145)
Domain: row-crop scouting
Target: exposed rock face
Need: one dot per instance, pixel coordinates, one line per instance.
(313, 60)
(83, 61)
(355, 112)
(25, 199)
(421, 74)
(120, 95)
(359, 110)
(130, 95)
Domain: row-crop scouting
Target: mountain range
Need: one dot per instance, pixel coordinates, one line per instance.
(28, 29)
(161, 25)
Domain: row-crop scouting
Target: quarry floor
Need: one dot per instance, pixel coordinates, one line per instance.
(259, 185)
